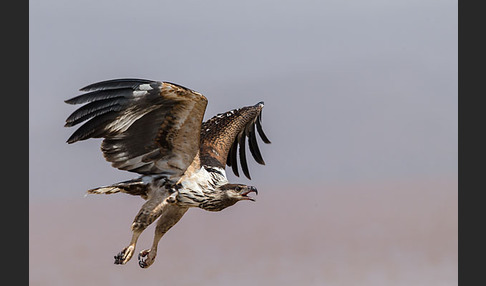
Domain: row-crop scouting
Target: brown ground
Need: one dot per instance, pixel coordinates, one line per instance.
(395, 233)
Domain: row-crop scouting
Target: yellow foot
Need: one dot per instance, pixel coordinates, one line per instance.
(124, 255)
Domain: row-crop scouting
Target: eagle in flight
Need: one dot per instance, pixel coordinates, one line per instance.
(155, 129)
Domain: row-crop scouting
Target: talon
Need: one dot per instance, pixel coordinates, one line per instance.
(119, 258)
(141, 261)
(144, 263)
(124, 256)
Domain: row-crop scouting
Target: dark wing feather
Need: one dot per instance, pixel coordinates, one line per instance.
(260, 130)
(122, 83)
(244, 164)
(255, 151)
(92, 128)
(148, 127)
(95, 108)
(101, 95)
(232, 157)
(225, 134)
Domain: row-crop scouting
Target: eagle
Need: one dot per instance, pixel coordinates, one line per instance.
(156, 129)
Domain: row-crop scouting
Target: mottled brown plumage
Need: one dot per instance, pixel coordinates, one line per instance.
(225, 131)
(155, 129)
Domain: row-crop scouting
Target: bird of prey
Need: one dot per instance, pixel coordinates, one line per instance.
(155, 129)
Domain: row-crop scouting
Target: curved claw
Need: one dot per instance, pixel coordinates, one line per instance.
(141, 262)
(149, 259)
(125, 255)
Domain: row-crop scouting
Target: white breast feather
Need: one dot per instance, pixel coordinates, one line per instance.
(200, 182)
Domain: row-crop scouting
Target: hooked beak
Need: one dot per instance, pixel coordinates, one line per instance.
(245, 193)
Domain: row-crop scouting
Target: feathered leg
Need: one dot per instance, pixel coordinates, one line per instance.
(149, 212)
(171, 214)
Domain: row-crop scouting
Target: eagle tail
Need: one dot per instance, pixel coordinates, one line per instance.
(133, 187)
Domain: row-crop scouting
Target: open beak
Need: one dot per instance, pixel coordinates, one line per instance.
(245, 193)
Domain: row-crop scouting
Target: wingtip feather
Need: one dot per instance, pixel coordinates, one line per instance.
(115, 84)
(243, 162)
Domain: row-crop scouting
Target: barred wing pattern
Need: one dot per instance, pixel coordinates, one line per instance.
(224, 137)
(149, 127)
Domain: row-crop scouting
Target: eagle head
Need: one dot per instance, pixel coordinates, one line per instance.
(228, 195)
(238, 192)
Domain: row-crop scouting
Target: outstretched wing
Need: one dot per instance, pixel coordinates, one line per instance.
(149, 127)
(222, 134)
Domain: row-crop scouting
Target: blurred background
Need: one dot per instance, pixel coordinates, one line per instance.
(360, 185)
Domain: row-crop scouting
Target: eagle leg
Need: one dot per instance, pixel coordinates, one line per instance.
(149, 212)
(171, 214)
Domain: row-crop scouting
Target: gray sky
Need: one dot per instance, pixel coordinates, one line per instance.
(360, 105)
(354, 90)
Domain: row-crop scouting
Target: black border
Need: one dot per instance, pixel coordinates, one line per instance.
(470, 145)
(15, 141)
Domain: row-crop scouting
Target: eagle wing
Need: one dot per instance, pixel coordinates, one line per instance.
(224, 133)
(149, 127)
